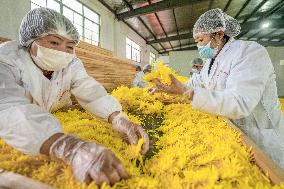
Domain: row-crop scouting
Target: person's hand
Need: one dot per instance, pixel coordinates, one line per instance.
(89, 160)
(176, 87)
(131, 131)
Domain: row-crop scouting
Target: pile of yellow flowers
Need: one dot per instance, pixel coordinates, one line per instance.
(282, 104)
(163, 73)
(193, 149)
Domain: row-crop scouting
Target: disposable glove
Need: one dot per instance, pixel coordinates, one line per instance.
(176, 87)
(131, 131)
(89, 160)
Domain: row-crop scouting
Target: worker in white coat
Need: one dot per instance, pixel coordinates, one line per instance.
(37, 76)
(197, 65)
(138, 78)
(237, 81)
(139, 81)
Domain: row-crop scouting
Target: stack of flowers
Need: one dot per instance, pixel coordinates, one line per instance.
(194, 149)
(163, 73)
(282, 104)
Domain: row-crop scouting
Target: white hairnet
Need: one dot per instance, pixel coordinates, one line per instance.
(198, 61)
(147, 67)
(216, 20)
(43, 21)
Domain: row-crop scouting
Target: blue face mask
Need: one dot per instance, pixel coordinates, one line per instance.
(206, 51)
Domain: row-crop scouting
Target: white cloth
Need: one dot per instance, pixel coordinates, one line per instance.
(242, 87)
(27, 97)
(139, 81)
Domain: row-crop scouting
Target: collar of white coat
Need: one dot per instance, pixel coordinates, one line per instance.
(225, 48)
(37, 83)
(216, 62)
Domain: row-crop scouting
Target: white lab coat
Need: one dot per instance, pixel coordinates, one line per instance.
(242, 87)
(139, 81)
(27, 97)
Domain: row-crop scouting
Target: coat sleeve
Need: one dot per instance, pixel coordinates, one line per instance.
(23, 125)
(90, 94)
(195, 81)
(244, 86)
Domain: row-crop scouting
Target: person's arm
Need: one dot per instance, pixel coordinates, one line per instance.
(33, 130)
(194, 82)
(23, 125)
(244, 86)
(92, 96)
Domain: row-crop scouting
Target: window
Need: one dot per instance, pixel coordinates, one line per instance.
(133, 51)
(152, 58)
(84, 19)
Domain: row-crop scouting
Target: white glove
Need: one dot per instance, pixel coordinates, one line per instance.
(131, 131)
(176, 87)
(89, 160)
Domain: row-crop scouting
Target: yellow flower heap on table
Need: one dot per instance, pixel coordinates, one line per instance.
(163, 73)
(195, 149)
(282, 104)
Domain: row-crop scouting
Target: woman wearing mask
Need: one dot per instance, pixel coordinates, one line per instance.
(37, 76)
(197, 65)
(237, 82)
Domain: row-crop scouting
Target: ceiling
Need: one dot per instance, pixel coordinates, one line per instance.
(167, 25)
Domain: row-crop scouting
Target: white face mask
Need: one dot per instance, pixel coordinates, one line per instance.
(50, 59)
(194, 70)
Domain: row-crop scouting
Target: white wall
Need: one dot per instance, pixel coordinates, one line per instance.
(11, 14)
(181, 62)
(276, 54)
(113, 33)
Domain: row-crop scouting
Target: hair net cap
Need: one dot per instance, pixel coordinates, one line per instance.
(198, 61)
(43, 21)
(216, 20)
(147, 67)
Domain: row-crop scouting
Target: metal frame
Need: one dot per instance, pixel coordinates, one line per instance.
(156, 7)
(172, 38)
(210, 4)
(243, 7)
(275, 23)
(181, 49)
(272, 43)
(260, 37)
(255, 10)
(227, 5)
(144, 24)
(171, 4)
(110, 9)
(176, 26)
(161, 25)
